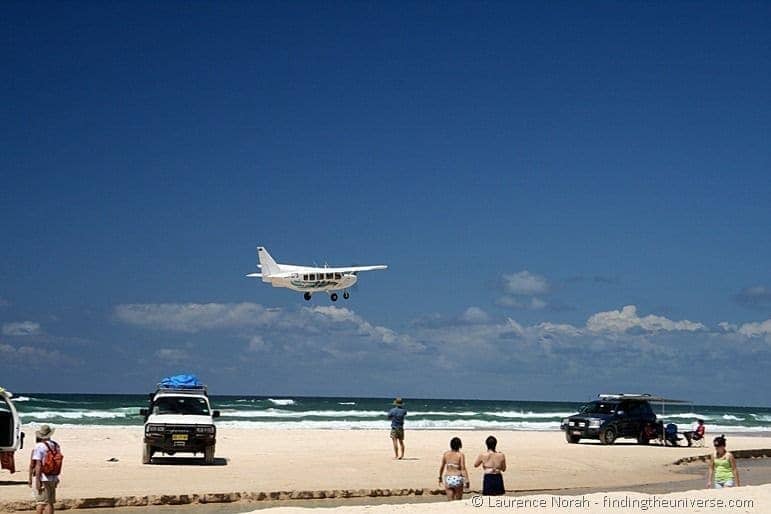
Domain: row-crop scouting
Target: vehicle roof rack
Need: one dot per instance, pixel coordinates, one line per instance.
(638, 396)
(182, 389)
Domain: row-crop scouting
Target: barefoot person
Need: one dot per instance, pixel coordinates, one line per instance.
(722, 467)
(452, 471)
(396, 415)
(494, 464)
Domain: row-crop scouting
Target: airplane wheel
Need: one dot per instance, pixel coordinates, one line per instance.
(307, 296)
(346, 295)
(333, 297)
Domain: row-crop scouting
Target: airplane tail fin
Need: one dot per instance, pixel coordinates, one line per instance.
(268, 265)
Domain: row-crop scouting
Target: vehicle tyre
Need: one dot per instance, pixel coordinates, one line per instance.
(608, 436)
(147, 454)
(572, 439)
(641, 439)
(208, 455)
(333, 297)
(307, 296)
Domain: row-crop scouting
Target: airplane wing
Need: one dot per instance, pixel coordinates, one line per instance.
(356, 269)
(254, 275)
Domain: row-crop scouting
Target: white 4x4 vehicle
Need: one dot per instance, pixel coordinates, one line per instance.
(179, 420)
(11, 436)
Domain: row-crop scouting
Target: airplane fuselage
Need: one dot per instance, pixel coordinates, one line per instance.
(318, 280)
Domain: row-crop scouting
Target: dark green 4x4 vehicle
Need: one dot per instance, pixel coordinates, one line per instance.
(612, 416)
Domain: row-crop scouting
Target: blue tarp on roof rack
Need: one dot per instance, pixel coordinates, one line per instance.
(181, 382)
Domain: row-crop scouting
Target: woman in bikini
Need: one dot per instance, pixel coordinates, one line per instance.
(493, 463)
(452, 471)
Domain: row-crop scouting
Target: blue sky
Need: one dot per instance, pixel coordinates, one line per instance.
(571, 198)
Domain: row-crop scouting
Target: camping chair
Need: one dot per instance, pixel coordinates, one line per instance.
(670, 435)
(697, 437)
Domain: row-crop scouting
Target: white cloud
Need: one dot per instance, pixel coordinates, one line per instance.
(522, 303)
(474, 315)
(523, 290)
(21, 328)
(342, 315)
(194, 317)
(757, 329)
(243, 317)
(727, 327)
(173, 355)
(627, 318)
(556, 328)
(32, 356)
(525, 283)
(256, 344)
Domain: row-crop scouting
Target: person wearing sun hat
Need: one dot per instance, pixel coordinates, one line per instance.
(396, 415)
(43, 485)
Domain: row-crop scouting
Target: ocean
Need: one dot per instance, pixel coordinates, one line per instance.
(365, 413)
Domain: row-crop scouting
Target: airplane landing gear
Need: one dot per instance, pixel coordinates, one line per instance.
(333, 297)
(307, 296)
(346, 294)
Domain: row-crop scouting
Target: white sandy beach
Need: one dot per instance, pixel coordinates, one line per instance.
(266, 461)
(738, 500)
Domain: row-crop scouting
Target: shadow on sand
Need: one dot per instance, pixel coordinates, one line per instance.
(13, 482)
(183, 461)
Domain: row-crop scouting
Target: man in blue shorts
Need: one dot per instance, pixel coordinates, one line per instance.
(396, 415)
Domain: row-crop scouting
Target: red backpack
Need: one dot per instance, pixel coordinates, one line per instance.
(52, 462)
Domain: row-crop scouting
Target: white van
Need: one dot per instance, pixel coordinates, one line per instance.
(11, 436)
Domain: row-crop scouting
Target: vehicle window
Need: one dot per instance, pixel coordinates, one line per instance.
(329, 276)
(598, 408)
(181, 405)
(312, 276)
(305, 277)
(338, 276)
(634, 409)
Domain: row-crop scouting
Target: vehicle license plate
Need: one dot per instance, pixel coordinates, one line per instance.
(576, 432)
(179, 437)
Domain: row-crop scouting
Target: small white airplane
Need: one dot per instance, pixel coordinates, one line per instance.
(308, 279)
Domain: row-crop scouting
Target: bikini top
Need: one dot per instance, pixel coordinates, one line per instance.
(490, 470)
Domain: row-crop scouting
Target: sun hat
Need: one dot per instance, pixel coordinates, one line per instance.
(398, 401)
(44, 432)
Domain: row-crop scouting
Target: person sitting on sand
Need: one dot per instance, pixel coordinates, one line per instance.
(722, 467)
(452, 471)
(494, 464)
(697, 433)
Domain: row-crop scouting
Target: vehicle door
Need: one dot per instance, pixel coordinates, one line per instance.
(10, 425)
(622, 418)
(635, 418)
